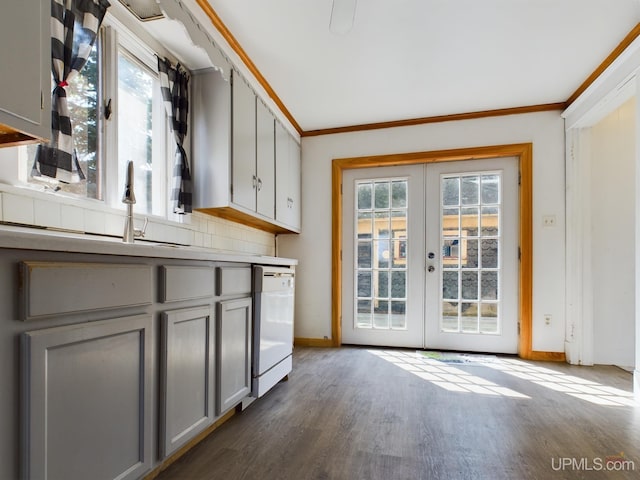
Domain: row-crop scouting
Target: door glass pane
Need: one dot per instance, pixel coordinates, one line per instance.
(490, 189)
(469, 285)
(364, 284)
(363, 314)
(381, 279)
(382, 243)
(381, 314)
(365, 225)
(450, 285)
(490, 221)
(451, 191)
(490, 253)
(469, 253)
(382, 195)
(364, 254)
(489, 286)
(470, 187)
(399, 194)
(450, 317)
(399, 284)
(469, 320)
(469, 222)
(364, 196)
(489, 318)
(470, 242)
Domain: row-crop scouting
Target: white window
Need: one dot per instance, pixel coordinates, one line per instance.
(117, 115)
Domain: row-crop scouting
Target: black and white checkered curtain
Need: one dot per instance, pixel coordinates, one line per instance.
(74, 28)
(174, 83)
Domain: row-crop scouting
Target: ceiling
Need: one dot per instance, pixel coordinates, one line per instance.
(407, 59)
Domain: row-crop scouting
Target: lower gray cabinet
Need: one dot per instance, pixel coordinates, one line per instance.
(187, 376)
(86, 391)
(233, 333)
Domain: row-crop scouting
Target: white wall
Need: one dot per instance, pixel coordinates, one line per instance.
(613, 236)
(313, 246)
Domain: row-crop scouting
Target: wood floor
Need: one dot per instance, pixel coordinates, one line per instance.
(357, 413)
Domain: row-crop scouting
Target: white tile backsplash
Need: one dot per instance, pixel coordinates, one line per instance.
(24, 206)
(47, 213)
(17, 209)
(72, 218)
(94, 222)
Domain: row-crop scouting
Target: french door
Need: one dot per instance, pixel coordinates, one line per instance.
(430, 256)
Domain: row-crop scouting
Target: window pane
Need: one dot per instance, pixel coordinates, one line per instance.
(490, 189)
(469, 285)
(470, 222)
(489, 318)
(365, 225)
(399, 194)
(364, 284)
(135, 115)
(398, 315)
(450, 285)
(364, 254)
(450, 191)
(382, 195)
(469, 317)
(450, 316)
(398, 284)
(490, 253)
(364, 196)
(470, 190)
(364, 314)
(82, 99)
(470, 254)
(489, 286)
(381, 279)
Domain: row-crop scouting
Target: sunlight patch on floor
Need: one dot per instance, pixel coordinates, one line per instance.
(443, 375)
(577, 387)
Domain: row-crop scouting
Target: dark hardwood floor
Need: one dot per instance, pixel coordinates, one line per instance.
(358, 413)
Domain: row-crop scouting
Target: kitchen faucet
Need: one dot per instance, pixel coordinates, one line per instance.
(129, 198)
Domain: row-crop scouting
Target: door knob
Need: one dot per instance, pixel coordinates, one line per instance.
(431, 255)
(431, 268)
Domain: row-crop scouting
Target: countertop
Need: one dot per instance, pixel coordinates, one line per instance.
(24, 238)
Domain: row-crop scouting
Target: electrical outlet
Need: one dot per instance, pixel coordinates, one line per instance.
(547, 319)
(548, 220)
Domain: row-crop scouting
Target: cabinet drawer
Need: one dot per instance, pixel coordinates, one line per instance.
(185, 283)
(233, 280)
(54, 288)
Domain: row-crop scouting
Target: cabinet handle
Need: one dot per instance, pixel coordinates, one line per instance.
(259, 184)
(255, 181)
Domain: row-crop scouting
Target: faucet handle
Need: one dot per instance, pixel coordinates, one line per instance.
(137, 232)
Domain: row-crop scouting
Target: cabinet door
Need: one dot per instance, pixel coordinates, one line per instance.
(233, 348)
(287, 179)
(294, 182)
(25, 96)
(187, 376)
(87, 400)
(243, 153)
(265, 161)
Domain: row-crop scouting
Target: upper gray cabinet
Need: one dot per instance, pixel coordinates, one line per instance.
(235, 154)
(243, 145)
(265, 161)
(287, 179)
(25, 72)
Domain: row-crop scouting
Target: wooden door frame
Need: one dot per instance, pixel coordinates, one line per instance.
(524, 155)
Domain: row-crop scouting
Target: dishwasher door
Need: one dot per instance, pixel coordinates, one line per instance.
(273, 326)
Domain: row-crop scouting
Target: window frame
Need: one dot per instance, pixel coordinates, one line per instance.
(114, 36)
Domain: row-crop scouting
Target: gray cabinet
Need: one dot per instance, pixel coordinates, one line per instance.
(243, 151)
(25, 96)
(187, 376)
(287, 179)
(265, 161)
(233, 331)
(234, 155)
(86, 396)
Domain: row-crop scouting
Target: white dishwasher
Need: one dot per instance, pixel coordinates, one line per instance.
(272, 326)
